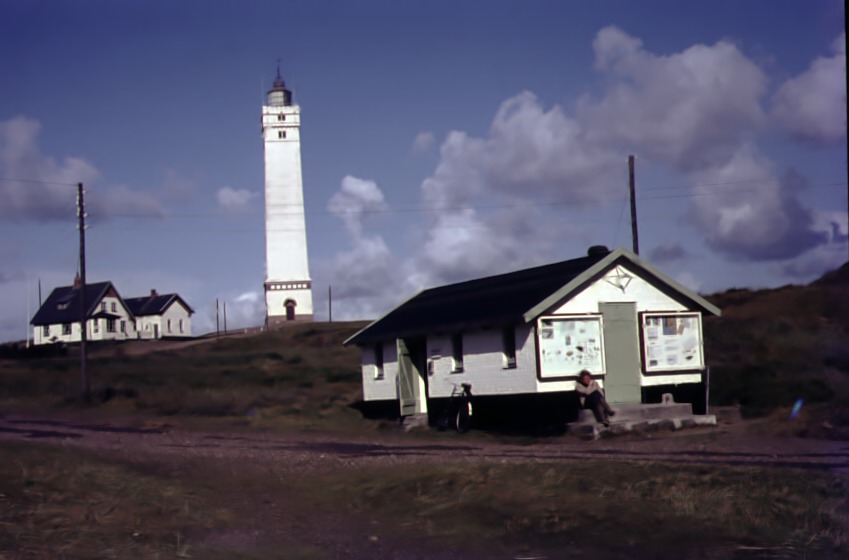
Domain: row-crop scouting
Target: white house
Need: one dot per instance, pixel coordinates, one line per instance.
(157, 316)
(532, 331)
(108, 316)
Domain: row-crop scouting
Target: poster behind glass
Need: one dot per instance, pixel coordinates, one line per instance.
(672, 342)
(568, 345)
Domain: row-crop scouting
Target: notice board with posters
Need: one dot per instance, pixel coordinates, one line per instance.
(672, 341)
(569, 344)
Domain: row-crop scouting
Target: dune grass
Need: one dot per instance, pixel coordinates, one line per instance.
(299, 376)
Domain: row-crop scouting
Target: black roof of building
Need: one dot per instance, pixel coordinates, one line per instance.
(63, 304)
(154, 304)
(507, 299)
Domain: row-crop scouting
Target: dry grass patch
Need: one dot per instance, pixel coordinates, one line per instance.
(614, 509)
(60, 504)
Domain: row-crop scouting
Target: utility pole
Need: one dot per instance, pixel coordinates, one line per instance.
(217, 323)
(329, 304)
(225, 317)
(28, 315)
(83, 305)
(634, 237)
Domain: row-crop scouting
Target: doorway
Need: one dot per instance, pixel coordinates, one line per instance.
(412, 378)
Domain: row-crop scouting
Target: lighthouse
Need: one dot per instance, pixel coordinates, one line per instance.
(288, 288)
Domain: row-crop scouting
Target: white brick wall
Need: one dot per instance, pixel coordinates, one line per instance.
(483, 359)
(387, 387)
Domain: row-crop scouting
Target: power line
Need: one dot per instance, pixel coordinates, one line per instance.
(296, 208)
(36, 181)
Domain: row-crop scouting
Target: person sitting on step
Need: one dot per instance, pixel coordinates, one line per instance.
(592, 397)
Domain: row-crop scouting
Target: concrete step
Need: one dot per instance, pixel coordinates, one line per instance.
(639, 412)
(593, 430)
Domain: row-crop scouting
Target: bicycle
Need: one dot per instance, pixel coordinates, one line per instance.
(457, 413)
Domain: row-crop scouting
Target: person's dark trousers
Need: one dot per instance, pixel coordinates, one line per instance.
(595, 402)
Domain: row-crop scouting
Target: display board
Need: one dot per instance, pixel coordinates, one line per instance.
(672, 341)
(569, 344)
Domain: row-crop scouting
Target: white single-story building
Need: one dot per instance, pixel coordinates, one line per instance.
(161, 315)
(532, 331)
(109, 316)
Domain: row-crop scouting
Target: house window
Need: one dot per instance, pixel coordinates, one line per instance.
(45, 330)
(114, 307)
(66, 328)
(508, 347)
(181, 325)
(123, 326)
(378, 360)
(110, 325)
(103, 306)
(457, 352)
(96, 324)
(169, 325)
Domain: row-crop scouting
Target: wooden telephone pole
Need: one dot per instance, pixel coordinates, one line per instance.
(86, 386)
(635, 238)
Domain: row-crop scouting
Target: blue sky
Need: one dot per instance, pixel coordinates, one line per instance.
(440, 141)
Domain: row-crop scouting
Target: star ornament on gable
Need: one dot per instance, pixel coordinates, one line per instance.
(619, 279)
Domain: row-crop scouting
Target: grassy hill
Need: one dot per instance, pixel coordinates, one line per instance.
(768, 350)
(773, 347)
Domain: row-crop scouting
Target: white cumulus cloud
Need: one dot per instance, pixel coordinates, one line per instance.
(760, 219)
(44, 186)
(690, 109)
(354, 201)
(812, 105)
(235, 199)
(423, 142)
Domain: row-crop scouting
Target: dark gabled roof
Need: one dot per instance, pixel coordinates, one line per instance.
(63, 304)
(508, 299)
(154, 304)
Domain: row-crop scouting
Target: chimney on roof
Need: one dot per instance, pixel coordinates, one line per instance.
(77, 281)
(153, 293)
(597, 251)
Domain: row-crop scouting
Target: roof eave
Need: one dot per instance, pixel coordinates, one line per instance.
(353, 338)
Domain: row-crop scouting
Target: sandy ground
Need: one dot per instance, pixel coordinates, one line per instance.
(287, 456)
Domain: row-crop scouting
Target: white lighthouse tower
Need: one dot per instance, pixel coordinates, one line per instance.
(288, 288)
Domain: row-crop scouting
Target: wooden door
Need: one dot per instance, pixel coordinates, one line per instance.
(411, 390)
(621, 353)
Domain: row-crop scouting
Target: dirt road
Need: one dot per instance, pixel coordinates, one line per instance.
(315, 452)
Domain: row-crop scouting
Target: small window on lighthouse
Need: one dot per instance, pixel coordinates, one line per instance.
(281, 117)
(281, 134)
